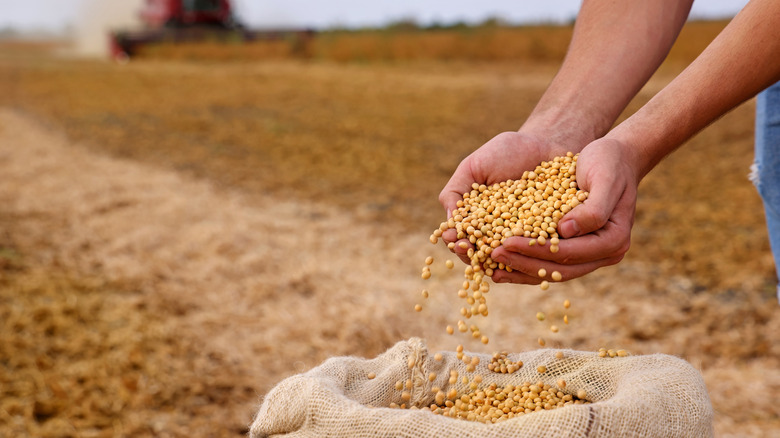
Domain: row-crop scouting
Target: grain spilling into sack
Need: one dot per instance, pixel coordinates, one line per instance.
(407, 393)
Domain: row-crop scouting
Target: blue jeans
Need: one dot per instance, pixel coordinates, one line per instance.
(766, 170)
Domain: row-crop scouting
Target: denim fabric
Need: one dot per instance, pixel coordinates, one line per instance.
(766, 171)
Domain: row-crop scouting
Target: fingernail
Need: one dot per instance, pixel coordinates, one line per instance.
(570, 229)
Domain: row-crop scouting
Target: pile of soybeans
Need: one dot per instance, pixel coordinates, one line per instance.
(493, 403)
(530, 207)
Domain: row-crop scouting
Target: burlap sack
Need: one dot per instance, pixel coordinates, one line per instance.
(637, 396)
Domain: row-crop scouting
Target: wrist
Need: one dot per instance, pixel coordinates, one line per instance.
(564, 130)
(637, 154)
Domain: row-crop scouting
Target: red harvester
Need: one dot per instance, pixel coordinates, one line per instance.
(177, 21)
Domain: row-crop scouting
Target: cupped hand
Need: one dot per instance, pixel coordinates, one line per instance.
(506, 156)
(594, 234)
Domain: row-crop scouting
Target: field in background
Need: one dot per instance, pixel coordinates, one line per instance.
(488, 42)
(177, 236)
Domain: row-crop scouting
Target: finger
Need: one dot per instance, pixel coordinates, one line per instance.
(614, 239)
(608, 242)
(460, 250)
(530, 267)
(517, 277)
(463, 257)
(450, 235)
(459, 183)
(604, 194)
(521, 263)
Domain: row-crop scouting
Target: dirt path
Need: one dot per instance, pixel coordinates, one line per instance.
(237, 294)
(261, 289)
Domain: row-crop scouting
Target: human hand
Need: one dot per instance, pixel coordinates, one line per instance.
(506, 156)
(594, 234)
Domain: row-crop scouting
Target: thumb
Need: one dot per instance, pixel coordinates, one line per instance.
(596, 210)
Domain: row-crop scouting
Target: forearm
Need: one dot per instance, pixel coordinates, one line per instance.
(616, 47)
(738, 64)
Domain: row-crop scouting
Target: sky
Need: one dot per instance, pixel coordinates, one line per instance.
(57, 15)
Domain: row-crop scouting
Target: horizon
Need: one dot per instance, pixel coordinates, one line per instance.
(64, 17)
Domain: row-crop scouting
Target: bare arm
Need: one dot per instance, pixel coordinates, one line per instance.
(616, 46)
(743, 60)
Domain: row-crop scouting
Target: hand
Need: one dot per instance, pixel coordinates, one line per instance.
(594, 234)
(506, 156)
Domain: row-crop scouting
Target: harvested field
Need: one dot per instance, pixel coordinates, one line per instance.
(176, 237)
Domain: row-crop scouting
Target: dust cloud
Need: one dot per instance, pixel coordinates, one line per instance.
(97, 18)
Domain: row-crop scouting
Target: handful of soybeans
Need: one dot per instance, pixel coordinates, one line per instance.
(529, 207)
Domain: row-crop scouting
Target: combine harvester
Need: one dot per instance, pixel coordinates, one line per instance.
(188, 21)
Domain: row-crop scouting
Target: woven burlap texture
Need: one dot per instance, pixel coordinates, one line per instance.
(636, 396)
